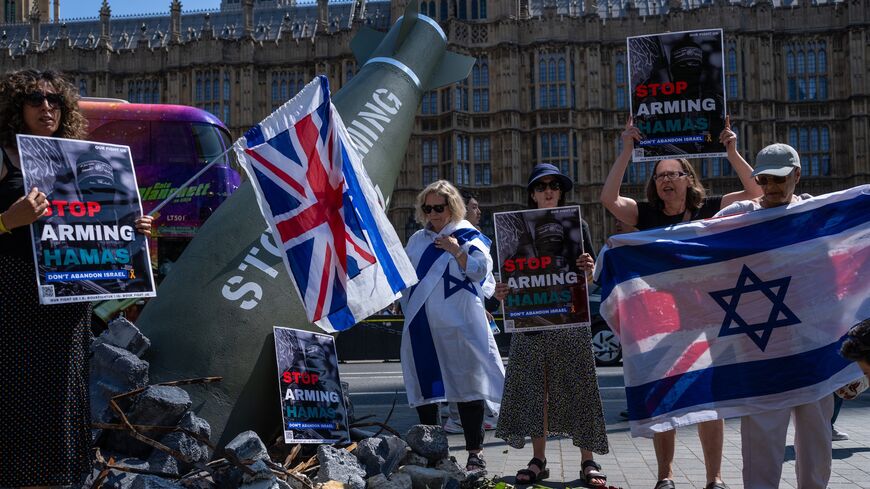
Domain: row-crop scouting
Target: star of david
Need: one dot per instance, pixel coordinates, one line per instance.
(453, 285)
(780, 315)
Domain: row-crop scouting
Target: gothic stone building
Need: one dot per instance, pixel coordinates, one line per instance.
(550, 83)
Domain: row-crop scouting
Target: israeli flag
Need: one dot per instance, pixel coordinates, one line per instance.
(740, 314)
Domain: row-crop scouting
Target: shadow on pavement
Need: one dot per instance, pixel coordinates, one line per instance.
(838, 453)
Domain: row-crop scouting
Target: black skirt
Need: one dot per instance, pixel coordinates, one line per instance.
(44, 406)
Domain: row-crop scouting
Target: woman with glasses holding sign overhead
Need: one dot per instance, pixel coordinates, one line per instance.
(44, 409)
(448, 351)
(675, 194)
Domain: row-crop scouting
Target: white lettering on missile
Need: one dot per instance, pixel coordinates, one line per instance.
(251, 287)
(366, 128)
(242, 292)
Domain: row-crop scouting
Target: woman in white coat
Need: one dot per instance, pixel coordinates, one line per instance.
(448, 351)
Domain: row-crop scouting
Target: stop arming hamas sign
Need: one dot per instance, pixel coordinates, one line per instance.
(537, 254)
(312, 404)
(86, 247)
(677, 94)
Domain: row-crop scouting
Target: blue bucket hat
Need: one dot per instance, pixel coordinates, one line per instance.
(542, 170)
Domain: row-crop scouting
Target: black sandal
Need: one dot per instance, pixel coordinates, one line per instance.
(595, 473)
(475, 463)
(543, 472)
(665, 484)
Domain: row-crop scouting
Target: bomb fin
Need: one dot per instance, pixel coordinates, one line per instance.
(453, 68)
(365, 43)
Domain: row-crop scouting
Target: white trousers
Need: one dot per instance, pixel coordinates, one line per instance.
(763, 437)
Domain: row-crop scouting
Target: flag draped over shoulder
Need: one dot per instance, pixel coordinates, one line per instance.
(339, 247)
(740, 314)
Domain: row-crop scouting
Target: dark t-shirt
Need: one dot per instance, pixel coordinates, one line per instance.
(650, 216)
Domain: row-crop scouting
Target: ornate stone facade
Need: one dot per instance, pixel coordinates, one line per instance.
(550, 83)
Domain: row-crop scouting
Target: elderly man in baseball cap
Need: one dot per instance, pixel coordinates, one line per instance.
(777, 171)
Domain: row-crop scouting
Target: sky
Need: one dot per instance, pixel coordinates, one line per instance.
(91, 8)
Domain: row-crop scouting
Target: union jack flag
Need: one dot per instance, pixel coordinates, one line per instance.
(310, 195)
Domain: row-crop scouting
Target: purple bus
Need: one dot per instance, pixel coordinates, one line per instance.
(169, 144)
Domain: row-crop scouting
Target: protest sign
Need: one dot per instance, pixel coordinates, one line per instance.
(312, 404)
(537, 254)
(677, 94)
(86, 247)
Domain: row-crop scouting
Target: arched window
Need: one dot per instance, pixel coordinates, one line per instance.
(474, 12)
(462, 9)
(275, 92)
(444, 11)
(226, 87)
(562, 75)
(199, 94)
(807, 70)
(621, 86)
(83, 87)
(552, 70)
(284, 89)
(482, 9)
(542, 71)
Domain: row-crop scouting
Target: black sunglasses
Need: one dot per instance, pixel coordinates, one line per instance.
(541, 186)
(439, 208)
(764, 179)
(36, 99)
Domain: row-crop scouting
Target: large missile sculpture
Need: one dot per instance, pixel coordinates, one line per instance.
(213, 315)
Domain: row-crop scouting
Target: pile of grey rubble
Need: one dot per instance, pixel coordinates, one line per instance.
(419, 461)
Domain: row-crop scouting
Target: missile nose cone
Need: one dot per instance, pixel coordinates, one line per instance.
(416, 44)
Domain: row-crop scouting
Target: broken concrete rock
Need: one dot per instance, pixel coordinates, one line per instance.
(156, 406)
(381, 455)
(113, 371)
(412, 458)
(426, 478)
(247, 446)
(398, 480)
(428, 441)
(124, 334)
(261, 472)
(339, 465)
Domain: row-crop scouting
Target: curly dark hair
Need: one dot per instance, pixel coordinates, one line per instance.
(857, 345)
(694, 194)
(15, 85)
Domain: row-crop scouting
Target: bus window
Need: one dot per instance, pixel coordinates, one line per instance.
(210, 143)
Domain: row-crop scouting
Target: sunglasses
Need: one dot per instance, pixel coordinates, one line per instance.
(670, 175)
(765, 179)
(36, 99)
(541, 186)
(439, 208)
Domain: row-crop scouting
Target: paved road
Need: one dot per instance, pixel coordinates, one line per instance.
(631, 462)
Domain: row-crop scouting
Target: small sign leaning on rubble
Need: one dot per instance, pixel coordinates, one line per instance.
(312, 404)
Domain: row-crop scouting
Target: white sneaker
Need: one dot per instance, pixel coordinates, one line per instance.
(838, 435)
(452, 426)
(489, 423)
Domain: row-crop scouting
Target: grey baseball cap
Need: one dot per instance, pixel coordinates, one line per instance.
(777, 159)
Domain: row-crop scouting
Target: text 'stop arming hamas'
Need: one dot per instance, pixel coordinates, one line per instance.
(214, 313)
